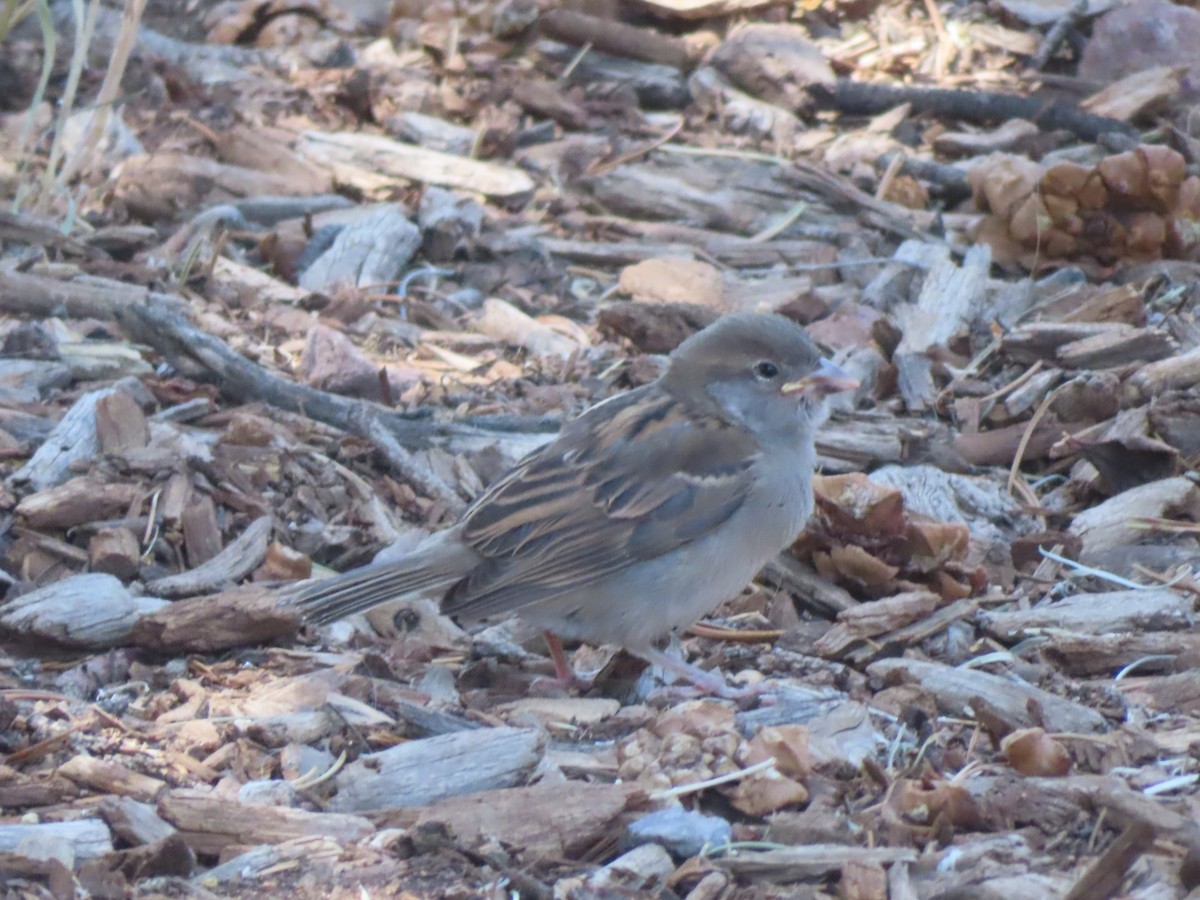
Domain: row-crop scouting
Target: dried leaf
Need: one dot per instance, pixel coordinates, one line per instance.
(1034, 753)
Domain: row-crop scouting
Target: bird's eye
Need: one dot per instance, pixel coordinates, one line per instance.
(766, 369)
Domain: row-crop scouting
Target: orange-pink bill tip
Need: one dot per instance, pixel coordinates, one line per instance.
(827, 379)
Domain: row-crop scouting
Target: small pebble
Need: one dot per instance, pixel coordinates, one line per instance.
(267, 793)
(681, 832)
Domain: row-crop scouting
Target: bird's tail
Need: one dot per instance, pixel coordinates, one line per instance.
(330, 599)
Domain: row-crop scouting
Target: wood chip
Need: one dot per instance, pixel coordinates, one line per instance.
(209, 823)
(956, 688)
(422, 772)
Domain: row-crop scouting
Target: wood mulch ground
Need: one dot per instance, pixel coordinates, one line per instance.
(328, 269)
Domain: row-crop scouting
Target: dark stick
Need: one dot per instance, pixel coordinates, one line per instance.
(616, 38)
(855, 98)
(208, 358)
(951, 180)
(1057, 34)
(1104, 877)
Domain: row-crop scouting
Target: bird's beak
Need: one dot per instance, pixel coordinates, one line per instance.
(827, 379)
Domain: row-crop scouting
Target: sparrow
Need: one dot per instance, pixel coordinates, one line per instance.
(643, 514)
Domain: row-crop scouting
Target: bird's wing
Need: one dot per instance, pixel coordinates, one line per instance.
(628, 481)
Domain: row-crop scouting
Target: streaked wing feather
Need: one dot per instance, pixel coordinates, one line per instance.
(639, 480)
(328, 600)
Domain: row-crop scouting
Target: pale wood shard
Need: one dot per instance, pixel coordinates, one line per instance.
(97, 360)
(370, 252)
(505, 322)
(422, 772)
(1117, 348)
(991, 875)
(1116, 612)
(1113, 523)
(120, 424)
(871, 619)
(900, 883)
(134, 822)
(1042, 340)
(893, 283)
(156, 186)
(868, 441)
(82, 499)
(950, 298)
(201, 532)
(859, 652)
(239, 558)
(815, 592)
(683, 242)
(66, 841)
(774, 61)
(449, 224)
(954, 689)
(701, 9)
(265, 149)
(322, 858)
(815, 861)
(431, 132)
(22, 293)
(741, 111)
(1055, 802)
(28, 380)
(242, 280)
(1022, 401)
(108, 777)
(73, 440)
(175, 499)
(236, 618)
(743, 197)
(92, 610)
(1177, 693)
(674, 280)
(643, 868)
(945, 496)
(371, 162)
(209, 823)
(547, 712)
(998, 139)
(1138, 93)
(114, 551)
(548, 821)
(1104, 655)
(1176, 373)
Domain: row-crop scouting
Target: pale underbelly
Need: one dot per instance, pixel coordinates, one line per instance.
(637, 607)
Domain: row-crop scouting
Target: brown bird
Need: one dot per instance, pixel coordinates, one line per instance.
(644, 514)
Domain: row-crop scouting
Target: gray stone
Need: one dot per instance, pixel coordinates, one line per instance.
(681, 832)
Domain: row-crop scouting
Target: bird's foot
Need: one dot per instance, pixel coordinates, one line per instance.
(703, 683)
(556, 686)
(565, 677)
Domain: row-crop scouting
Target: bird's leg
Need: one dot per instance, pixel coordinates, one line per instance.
(562, 669)
(564, 676)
